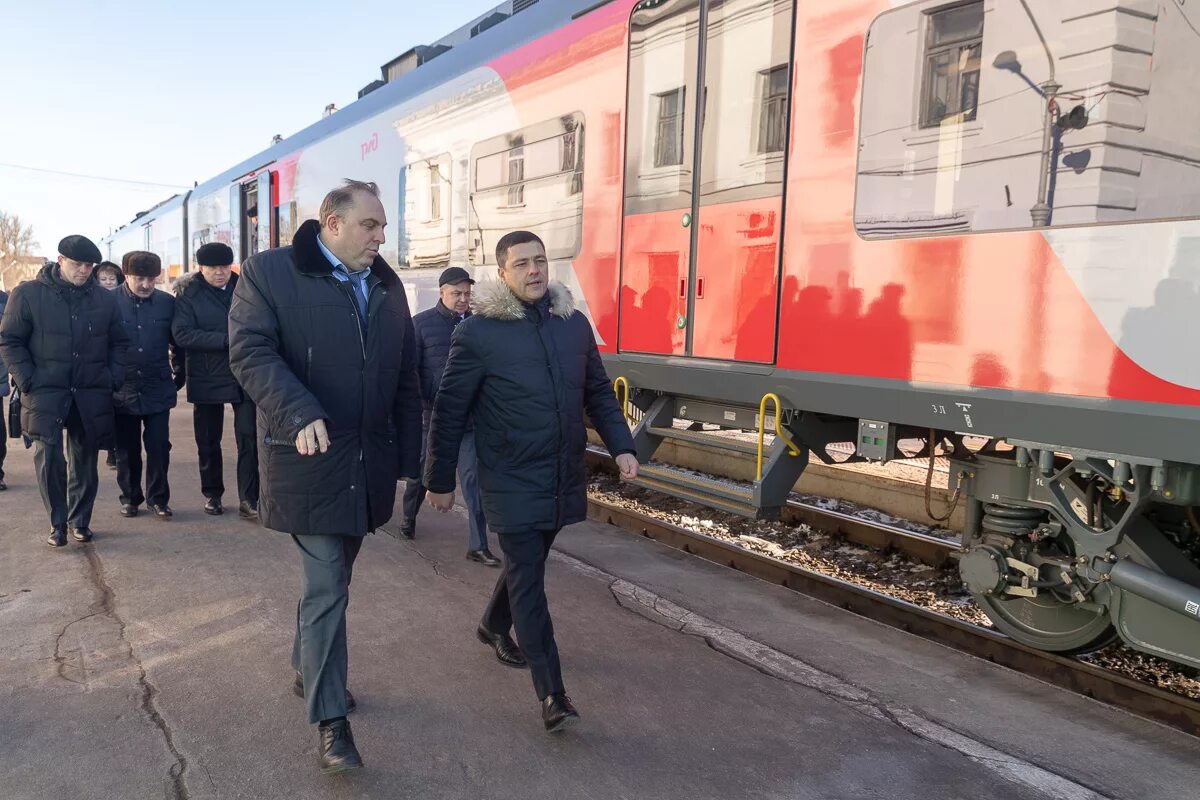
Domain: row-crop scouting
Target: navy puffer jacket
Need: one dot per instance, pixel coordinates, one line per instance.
(433, 328)
(525, 374)
(149, 386)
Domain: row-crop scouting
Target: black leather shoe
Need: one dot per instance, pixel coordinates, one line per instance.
(507, 652)
(81, 534)
(213, 506)
(3, 485)
(338, 753)
(483, 556)
(129, 510)
(558, 714)
(408, 530)
(58, 536)
(162, 512)
(247, 510)
(298, 690)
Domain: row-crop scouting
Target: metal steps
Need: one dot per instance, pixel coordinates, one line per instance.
(705, 440)
(698, 489)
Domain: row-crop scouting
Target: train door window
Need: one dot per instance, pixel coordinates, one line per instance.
(953, 45)
(983, 116)
(660, 135)
(249, 226)
(529, 179)
(265, 210)
(426, 189)
(747, 50)
(286, 214)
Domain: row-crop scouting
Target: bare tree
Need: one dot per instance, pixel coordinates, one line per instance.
(16, 239)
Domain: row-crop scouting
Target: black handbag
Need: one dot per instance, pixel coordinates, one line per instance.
(14, 414)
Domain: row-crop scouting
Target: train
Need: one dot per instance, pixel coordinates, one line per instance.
(969, 224)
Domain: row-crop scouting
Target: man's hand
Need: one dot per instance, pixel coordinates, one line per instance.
(442, 502)
(628, 464)
(312, 439)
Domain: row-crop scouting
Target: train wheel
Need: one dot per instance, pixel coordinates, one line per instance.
(1048, 623)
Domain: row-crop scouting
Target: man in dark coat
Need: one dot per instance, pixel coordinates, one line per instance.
(144, 402)
(433, 328)
(525, 368)
(3, 394)
(201, 331)
(322, 340)
(63, 341)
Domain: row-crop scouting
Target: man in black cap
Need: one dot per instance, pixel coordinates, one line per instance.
(63, 341)
(433, 329)
(144, 401)
(201, 329)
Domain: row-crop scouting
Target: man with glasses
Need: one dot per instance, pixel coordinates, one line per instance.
(433, 329)
(63, 340)
(201, 330)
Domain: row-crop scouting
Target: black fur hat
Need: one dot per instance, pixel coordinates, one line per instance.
(142, 264)
(214, 254)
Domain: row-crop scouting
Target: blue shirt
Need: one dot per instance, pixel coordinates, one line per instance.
(357, 280)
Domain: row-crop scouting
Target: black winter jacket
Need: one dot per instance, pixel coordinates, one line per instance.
(3, 369)
(526, 374)
(298, 348)
(433, 328)
(201, 330)
(149, 386)
(64, 344)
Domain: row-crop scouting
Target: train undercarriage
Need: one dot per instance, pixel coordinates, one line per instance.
(1066, 550)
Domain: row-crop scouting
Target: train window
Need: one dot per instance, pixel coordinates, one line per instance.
(426, 219)
(746, 99)
(1016, 115)
(287, 223)
(529, 179)
(660, 133)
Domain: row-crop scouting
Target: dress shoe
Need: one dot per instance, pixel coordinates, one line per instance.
(129, 510)
(338, 753)
(81, 534)
(507, 652)
(162, 512)
(58, 536)
(213, 506)
(3, 485)
(408, 529)
(558, 714)
(248, 510)
(298, 690)
(483, 556)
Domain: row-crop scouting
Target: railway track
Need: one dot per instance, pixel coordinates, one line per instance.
(1148, 701)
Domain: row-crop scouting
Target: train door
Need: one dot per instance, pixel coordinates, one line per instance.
(268, 226)
(707, 120)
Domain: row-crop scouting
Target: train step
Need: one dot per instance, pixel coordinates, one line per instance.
(699, 489)
(705, 440)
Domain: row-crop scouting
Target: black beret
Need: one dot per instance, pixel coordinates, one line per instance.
(454, 275)
(214, 254)
(142, 264)
(80, 248)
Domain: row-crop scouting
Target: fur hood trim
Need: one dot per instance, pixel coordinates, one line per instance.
(494, 300)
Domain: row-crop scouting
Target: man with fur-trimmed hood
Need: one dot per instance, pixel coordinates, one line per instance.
(524, 369)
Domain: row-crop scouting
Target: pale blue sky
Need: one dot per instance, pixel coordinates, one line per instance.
(174, 92)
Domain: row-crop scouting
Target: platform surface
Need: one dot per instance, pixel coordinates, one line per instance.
(153, 663)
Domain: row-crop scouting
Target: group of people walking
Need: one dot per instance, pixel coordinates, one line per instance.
(344, 394)
(98, 351)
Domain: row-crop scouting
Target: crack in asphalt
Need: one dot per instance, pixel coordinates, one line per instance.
(105, 606)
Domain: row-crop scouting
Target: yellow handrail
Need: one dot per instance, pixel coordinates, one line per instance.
(762, 422)
(624, 401)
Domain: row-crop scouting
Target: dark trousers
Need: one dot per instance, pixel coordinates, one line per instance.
(468, 484)
(208, 420)
(154, 432)
(68, 498)
(3, 437)
(319, 649)
(519, 600)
